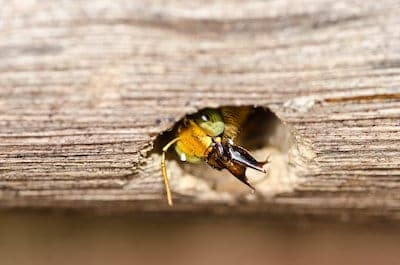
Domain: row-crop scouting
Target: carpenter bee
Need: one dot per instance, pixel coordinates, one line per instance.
(209, 136)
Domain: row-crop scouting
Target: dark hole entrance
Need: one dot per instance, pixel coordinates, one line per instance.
(262, 133)
(261, 128)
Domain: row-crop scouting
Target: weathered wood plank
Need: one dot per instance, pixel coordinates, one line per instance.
(86, 86)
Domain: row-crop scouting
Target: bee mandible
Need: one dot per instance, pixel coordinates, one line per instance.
(209, 136)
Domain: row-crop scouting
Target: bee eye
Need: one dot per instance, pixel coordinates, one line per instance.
(205, 117)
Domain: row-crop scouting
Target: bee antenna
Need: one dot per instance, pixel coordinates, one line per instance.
(164, 170)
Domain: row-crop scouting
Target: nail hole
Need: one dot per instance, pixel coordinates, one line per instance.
(264, 135)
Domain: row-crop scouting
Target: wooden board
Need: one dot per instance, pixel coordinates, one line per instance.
(86, 86)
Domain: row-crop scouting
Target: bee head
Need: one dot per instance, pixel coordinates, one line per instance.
(211, 121)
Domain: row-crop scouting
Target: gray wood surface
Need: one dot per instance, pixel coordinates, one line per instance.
(86, 86)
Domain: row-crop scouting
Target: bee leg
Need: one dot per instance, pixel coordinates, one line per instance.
(164, 170)
(266, 175)
(266, 161)
(239, 172)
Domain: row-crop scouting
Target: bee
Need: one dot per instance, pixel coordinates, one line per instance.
(210, 136)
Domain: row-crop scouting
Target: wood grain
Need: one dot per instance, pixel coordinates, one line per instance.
(86, 86)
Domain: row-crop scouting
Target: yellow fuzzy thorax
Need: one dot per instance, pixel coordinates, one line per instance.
(193, 141)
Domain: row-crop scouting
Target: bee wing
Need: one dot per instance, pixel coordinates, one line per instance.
(234, 117)
(241, 156)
